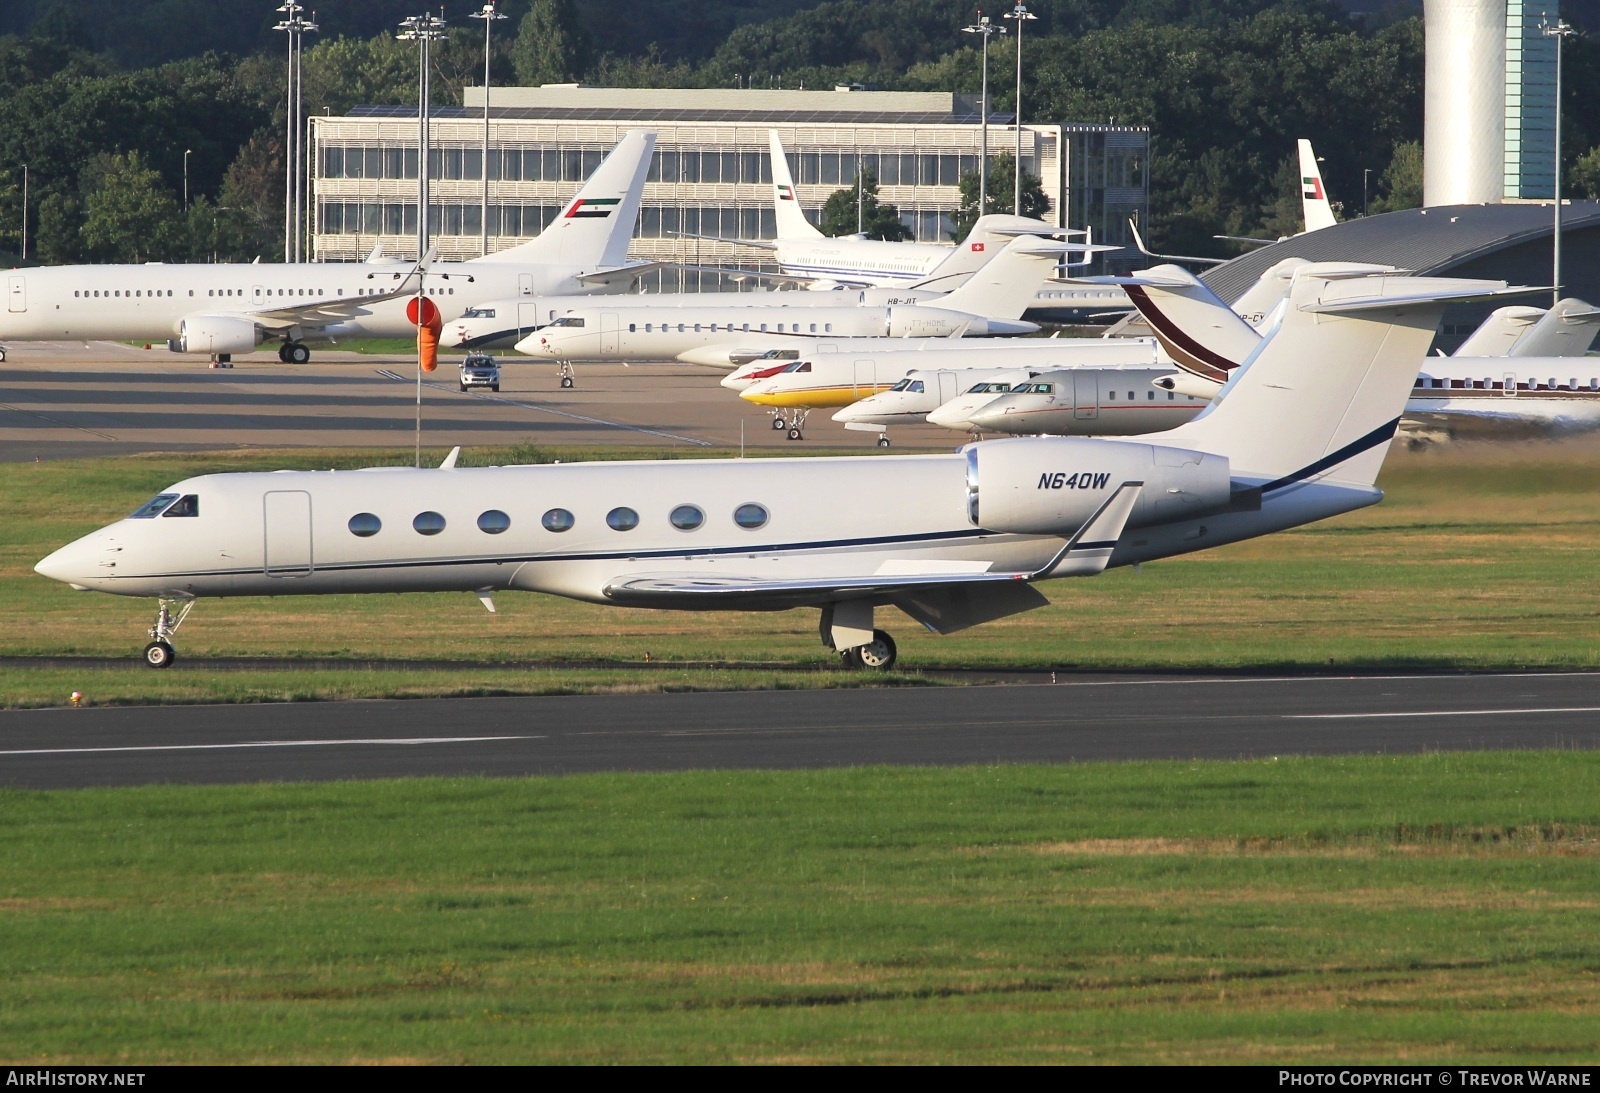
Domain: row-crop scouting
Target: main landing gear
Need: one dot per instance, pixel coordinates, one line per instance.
(159, 653)
(793, 419)
(846, 628)
(2, 354)
(564, 370)
(883, 440)
(294, 353)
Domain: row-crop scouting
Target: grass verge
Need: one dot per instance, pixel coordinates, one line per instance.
(1355, 909)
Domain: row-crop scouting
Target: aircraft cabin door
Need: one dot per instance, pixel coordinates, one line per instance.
(524, 284)
(17, 294)
(608, 332)
(1085, 397)
(527, 320)
(866, 378)
(287, 533)
(947, 387)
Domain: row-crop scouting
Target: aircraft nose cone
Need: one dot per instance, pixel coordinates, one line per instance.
(948, 416)
(73, 564)
(736, 381)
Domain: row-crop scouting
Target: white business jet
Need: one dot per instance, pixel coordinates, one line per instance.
(952, 540)
(624, 330)
(222, 309)
(836, 379)
(1456, 395)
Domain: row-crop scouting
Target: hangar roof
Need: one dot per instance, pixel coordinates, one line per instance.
(1421, 240)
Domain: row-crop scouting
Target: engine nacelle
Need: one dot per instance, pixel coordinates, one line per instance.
(932, 322)
(1052, 485)
(216, 334)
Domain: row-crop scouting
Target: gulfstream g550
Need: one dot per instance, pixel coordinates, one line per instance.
(952, 540)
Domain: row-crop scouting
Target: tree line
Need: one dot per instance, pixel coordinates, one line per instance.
(1226, 86)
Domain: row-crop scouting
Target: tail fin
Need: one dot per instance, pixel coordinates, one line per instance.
(1566, 330)
(1006, 286)
(594, 228)
(1256, 305)
(1322, 396)
(790, 218)
(1313, 198)
(1200, 333)
(1498, 335)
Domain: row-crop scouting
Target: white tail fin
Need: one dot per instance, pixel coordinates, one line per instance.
(1322, 395)
(1200, 333)
(594, 227)
(1566, 330)
(1256, 305)
(1497, 335)
(1313, 198)
(988, 237)
(1005, 287)
(790, 218)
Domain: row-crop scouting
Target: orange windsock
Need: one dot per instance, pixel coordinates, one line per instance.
(428, 330)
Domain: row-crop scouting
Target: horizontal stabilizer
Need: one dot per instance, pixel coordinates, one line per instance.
(621, 275)
(1470, 290)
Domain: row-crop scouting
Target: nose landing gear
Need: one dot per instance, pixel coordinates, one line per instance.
(159, 653)
(793, 420)
(564, 370)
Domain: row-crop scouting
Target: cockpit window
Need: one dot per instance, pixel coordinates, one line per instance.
(568, 320)
(478, 313)
(187, 505)
(153, 507)
(917, 388)
(977, 388)
(998, 388)
(901, 386)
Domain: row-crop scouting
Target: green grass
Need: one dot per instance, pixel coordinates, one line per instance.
(1481, 557)
(1374, 909)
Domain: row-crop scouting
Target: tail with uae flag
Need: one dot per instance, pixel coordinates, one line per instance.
(1313, 196)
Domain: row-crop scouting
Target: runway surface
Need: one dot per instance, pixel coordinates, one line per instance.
(1072, 721)
(67, 400)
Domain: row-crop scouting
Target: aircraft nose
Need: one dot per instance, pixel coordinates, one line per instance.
(736, 381)
(75, 564)
(988, 417)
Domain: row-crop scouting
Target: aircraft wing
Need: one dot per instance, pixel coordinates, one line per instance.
(622, 274)
(323, 311)
(659, 590)
(760, 244)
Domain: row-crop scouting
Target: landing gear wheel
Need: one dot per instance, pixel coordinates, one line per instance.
(795, 434)
(2, 355)
(299, 353)
(883, 441)
(283, 352)
(566, 375)
(495, 387)
(879, 654)
(158, 654)
(566, 381)
(777, 424)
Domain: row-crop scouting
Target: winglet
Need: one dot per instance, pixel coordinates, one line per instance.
(1088, 551)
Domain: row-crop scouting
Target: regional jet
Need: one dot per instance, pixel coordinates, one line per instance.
(951, 540)
(225, 309)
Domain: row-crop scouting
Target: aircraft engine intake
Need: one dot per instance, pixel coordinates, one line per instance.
(216, 334)
(1052, 485)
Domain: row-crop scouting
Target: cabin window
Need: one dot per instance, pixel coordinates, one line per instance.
(649, 327)
(750, 516)
(153, 507)
(493, 522)
(827, 326)
(622, 518)
(558, 520)
(633, 328)
(1171, 395)
(1111, 396)
(687, 517)
(428, 523)
(763, 326)
(187, 505)
(1149, 396)
(813, 328)
(365, 525)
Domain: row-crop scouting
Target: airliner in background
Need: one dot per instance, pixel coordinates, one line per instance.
(951, 540)
(222, 309)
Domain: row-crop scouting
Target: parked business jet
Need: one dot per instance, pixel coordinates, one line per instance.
(988, 303)
(503, 323)
(1498, 395)
(229, 308)
(952, 540)
(1566, 330)
(835, 379)
(1089, 402)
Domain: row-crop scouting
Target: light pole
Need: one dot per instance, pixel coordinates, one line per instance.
(422, 29)
(295, 25)
(1022, 15)
(488, 15)
(24, 212)
(1559, 31)
(985, 28)
(1366, 174)
(187, 152)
